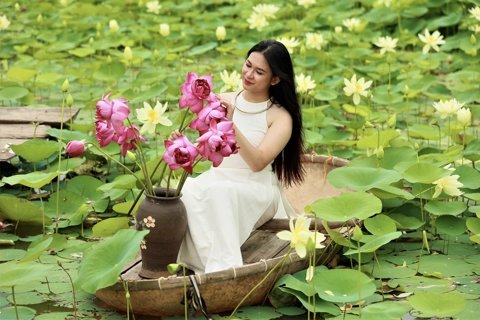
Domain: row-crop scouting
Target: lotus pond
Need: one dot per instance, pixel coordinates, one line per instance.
(392, 86)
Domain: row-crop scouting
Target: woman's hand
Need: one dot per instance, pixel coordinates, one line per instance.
(230, 108)
(174, 135)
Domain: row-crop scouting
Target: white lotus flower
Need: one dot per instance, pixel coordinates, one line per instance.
(304, 84)
(356, 88)
(257, 21)
(151, 117)
(267, 10)
(315, 40)
(351, 24)
(431, 41)
(387, 44)
(475, 12)
(153, 6)
(464, 116)
(449, 185)
(447, 108)
(289, 43)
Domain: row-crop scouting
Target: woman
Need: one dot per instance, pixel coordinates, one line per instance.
(224, 204)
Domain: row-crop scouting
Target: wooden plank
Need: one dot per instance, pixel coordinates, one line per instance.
(22, 131)
(49, 115)
(5, 152)
(262, 245)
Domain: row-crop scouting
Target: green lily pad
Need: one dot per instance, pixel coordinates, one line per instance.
(386, 310)
(109, 227)
(21, 74)
(343, 285)
(11, 254)
(347, 206)
(362, 178)
(325, 95)
(87, 186)
(432, 304)
(451, 225)
(17, 209)
(12, 93)
(424, 173)
(380, 224)
(82, 52)
(440, 208)
(24, 313)
(36, 179)
(28, 298)
(14, 274)
(418, 284)
(102, 263)
(450, 265)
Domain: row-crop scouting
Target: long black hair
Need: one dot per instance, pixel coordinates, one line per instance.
(287, 165)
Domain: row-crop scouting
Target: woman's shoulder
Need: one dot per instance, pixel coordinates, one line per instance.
(228, 96)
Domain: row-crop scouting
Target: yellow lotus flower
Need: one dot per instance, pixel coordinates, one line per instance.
(305, 3)
(338, 29)
(447, 108)
(114, 27)
(267, 10)
(449, 185)
(289, 43)
(351, 24)
(232, 82)
(151, 117)
(475, 12)
(220, 33)
(299, 235)
(431, 41)
(357, 88)
(464, 116)
(164, 29)
(153, 7)
(304, 84)
(475, 28)
(257, 21)
(4, 22)
(315, 40)
(387, 44)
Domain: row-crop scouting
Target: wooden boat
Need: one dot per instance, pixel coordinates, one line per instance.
(224, 290)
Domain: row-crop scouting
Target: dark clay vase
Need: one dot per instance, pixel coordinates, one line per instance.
(166, 218)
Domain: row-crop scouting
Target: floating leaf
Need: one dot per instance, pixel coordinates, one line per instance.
(35, 150)
(21, 74)
(11, 93)
(380, 224)
(362, 178)
(425, 173)
(377, 242)
(437, 305)
(102, 264)
(23, 313)
(386, 310)
(440, 208)
(14, 274)
(347, 206)
(17, 209)
(109, 227)
(346, 285)
(82, 52)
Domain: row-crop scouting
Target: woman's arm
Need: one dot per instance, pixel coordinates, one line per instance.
(277, 136)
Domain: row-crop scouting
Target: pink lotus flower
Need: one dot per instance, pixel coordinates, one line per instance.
(218, 142)
(212, 111)
(127, 138)
(75, 149)
(104, 132)
(180, 153)
(114, 111)
(195, 90)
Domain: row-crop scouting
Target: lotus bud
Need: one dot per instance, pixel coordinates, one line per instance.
(303, 50)
(183, 34)
(59, 263)
(380, 153)
(75, 148)
(389, 59)
(310, 244)
(406, 89)
(98, 34)
(473, 40)
(155, 53)
(416, 146)
(39, 18)
(329, 19)
(91, 41)
(464, 116)
(128, 54)
(109, 59)
(357, 233)
(140, 3)
(17, 7)
(164, 29)
(389, 88)
(131, 156)
(338, 29)
(127, 295)
(114, 27)
(369, 94)
(392, 121)
(99, 26)
(65, 85)
(69, 100)
(221, 33)
(64, 23)
(368, 124)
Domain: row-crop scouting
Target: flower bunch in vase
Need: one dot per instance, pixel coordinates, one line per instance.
(216, 138)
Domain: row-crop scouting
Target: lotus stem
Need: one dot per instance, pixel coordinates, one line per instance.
(59, 161)
(73, 289)
(15, 302)
(263, 280)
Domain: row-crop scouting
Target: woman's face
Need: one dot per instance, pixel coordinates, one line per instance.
(256, 74)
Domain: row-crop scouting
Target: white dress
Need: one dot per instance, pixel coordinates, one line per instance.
(225, 204)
